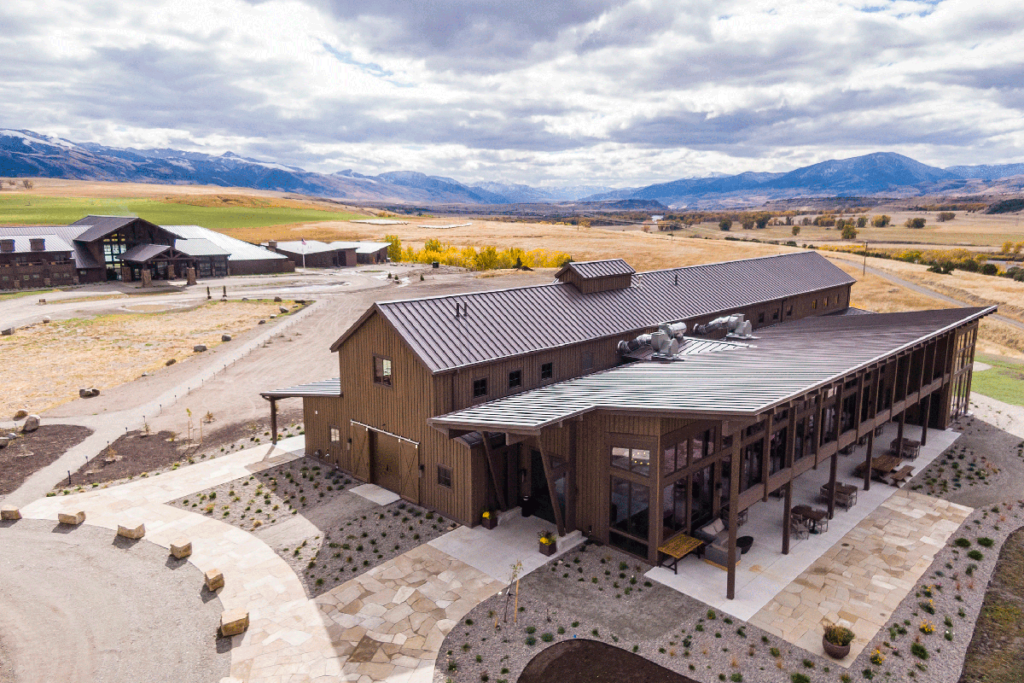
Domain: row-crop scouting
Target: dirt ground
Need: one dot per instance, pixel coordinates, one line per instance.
(996, 652)
(984, 467)
(136, 453)
(35, 450)
(77, 607)
(588, 661)
(46, 364)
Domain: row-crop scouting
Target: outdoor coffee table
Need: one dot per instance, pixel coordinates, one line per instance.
(678, 547)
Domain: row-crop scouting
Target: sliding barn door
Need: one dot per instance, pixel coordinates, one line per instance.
(360, 452)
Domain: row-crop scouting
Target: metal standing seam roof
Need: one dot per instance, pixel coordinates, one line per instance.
(101, 226)
(237, 250)
(23, 245)
(199, 246)
(512, 322)
(361, 247)
(787, 361)
(67, 233)
(141, 253)
(589, 270)
(323, 388)
(310, 247)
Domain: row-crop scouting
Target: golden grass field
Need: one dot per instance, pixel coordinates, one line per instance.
(967, 229)
(46, 364)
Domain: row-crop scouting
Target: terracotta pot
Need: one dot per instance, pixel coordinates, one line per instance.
(548, 549)
(489, 522)
(835, 651)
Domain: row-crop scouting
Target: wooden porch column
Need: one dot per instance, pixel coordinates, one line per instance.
(787, 510)
(549, 476)
(833, 466)
(734, 501)
(273, 420)
(819, 427)
(493, 469)
(867, 460)
(570, 478)
(766, 448)
(899, 430)
(858, 410)
(925, 415)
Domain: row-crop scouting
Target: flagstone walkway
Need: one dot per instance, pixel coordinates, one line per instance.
(385, 625)
(861, 580)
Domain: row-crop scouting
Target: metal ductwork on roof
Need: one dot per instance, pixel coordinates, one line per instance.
(665, 342)
(734, 325)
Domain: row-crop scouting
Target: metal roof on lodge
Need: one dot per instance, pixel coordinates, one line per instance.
(785, 362)
(512, 322)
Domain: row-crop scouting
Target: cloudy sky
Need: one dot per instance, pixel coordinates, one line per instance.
(544, 92)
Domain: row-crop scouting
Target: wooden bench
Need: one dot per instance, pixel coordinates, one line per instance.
(901, 475)
(678, 547)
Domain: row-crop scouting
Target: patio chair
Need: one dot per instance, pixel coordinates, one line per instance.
(798, 526)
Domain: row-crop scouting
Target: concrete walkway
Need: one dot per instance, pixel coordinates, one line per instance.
(108, 427)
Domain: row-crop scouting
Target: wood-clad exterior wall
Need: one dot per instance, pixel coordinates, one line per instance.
(402, 410)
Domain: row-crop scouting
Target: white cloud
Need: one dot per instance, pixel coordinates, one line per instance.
(622, 93)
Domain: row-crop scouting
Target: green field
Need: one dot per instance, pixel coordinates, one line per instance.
(1004, 382)
(37, 210)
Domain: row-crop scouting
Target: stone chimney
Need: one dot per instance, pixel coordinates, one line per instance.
(37, 243)
(272, 245)
(6, 246)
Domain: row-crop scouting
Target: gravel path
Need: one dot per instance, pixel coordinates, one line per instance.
(77, 607)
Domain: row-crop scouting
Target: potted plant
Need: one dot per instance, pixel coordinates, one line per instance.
(548, 544)
(489, 519)
(836, 641)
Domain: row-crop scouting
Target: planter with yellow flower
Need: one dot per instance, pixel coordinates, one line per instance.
(548, 544)
(489, 519)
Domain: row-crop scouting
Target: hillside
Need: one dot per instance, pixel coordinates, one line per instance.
(27, 154)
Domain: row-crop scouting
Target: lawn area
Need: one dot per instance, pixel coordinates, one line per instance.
(1004, 382)
(217, 212)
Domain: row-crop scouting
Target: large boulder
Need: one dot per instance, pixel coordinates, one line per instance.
(170, 362)
(234, 622)
(21, 414)
(9, 513)
(31, 423)
(7, 331)
(71, 517)
(277, 299)
(3, 442)
(88, 393)
(225, 337)
(282, 309)
(132, 530)
(199, 348)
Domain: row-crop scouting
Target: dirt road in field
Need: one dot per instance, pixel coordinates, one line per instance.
(226, 381)
(76, 607)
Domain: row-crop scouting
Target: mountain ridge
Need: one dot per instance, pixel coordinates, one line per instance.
(24, 153)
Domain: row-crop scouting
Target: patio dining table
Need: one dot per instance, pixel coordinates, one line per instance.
(817, 518)
(880, 466)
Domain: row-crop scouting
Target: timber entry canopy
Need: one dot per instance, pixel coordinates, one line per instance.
(784, 362)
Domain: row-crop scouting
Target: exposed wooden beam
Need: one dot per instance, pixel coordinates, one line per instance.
(492, 467)
(513, 439)
(549, 476)
(734, 504)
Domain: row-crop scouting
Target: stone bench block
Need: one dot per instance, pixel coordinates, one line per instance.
(9, 513)
(181, 548)
(234, 622)
(214, 579)
(72, 518)
(132, 531)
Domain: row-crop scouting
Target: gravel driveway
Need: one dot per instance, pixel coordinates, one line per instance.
(77, 607)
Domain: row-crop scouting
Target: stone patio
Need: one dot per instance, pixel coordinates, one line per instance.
(860, 581)
(389, 623)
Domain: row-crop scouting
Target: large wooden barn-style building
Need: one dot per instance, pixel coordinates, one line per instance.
(631, 406)
(128, 248)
